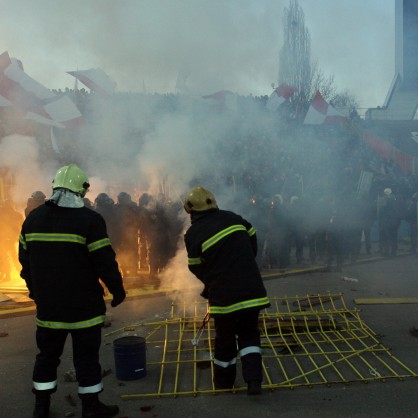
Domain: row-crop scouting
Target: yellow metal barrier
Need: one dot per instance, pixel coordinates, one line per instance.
(306, 341)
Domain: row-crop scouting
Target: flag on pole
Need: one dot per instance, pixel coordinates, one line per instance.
(280, 95)
(96, 80)
(320, 112)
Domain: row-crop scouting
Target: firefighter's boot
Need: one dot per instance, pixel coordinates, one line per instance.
(42, 402)
(93, 408)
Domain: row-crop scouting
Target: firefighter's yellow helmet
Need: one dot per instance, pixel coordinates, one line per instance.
(72, 178)
(199, 199)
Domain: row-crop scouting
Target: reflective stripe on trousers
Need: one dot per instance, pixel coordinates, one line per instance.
(225, 364)
(90, 389)
(44, 385)
(249, 350)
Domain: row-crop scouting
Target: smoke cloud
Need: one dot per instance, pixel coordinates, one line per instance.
(143, 45)
(158, 141)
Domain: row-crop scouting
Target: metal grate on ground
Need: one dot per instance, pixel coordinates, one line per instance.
(306, 341)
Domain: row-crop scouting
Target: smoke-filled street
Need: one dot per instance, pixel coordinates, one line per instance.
(385, 288)
(209, 209)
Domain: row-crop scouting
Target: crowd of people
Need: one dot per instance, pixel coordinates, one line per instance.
(291, 229)
(329, 230)
(10, 223)
(299, 186)
(144, 235)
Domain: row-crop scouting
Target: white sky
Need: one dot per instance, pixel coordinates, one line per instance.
(223, 44)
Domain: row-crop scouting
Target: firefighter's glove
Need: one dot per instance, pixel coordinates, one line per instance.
(118, 298)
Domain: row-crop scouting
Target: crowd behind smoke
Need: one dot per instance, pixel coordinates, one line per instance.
(167, 144)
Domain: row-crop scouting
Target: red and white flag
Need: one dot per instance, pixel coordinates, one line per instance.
(223, 99)
(18, 87)
(96, 80)
(280, 95)
(32, 99)
(320, 112)
(61, 113)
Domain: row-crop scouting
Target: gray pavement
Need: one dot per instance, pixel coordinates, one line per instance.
(377, 278)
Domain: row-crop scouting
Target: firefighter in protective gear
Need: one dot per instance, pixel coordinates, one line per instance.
(221, 249)
(71, 177)
(199, 199)
(64, 250)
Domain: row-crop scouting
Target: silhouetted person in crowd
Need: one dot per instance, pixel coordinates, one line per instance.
(10, 223)
(367, 217)
(36, 199)
(335, 236)
(87, 203)
(353, 227)
(144, 220)
(127, 234)
(389, 220)
(296, 228)
(278, 234)
(411, 218)
(316, 221)
(159, 241)
(105, 205)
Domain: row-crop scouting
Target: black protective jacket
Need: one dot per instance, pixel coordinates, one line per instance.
(221, 248)
(64, 252)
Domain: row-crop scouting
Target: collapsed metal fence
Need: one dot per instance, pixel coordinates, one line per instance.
(306, 341)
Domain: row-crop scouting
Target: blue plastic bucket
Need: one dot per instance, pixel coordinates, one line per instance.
(130, 357)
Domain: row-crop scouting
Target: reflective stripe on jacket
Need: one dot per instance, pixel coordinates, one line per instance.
(64, 252)
(221, 248)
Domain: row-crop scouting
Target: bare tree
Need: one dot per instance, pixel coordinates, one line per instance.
(295, 55)
(322, 83)
(296, 69)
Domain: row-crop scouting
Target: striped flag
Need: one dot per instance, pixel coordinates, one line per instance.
(320, 112)
(280, 95)
(32, 99)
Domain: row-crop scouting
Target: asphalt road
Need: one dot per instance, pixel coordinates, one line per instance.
(384, 278)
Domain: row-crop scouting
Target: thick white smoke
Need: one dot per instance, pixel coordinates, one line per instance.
(30, 172)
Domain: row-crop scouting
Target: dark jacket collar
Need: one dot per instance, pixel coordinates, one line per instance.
(195, 216)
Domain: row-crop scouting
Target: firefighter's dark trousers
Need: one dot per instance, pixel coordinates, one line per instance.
(237, 333)
(86, 345)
